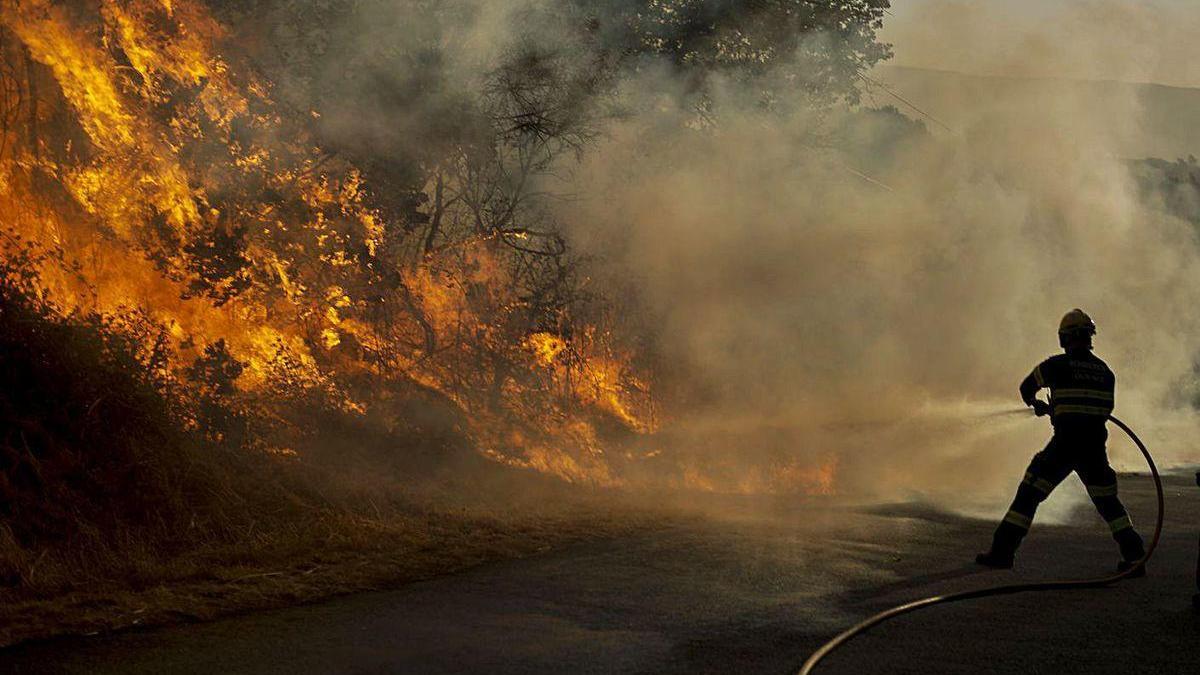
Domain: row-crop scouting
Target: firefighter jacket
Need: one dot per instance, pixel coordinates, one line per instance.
(1081, 387)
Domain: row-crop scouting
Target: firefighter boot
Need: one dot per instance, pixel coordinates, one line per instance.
(1126, 564)
(1005, 541)
(1132, 550)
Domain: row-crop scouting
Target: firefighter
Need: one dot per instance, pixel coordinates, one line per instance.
(1081, 398)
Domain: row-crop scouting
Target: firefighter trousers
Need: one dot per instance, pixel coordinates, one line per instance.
(1080, 450)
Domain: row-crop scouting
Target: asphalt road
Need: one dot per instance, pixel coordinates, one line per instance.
(752, 592)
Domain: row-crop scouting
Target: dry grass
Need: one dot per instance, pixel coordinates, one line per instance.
(129, 496)
(329, 555)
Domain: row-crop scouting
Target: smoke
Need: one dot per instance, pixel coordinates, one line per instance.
(841, 290)
(823, 305)
(1090, 39)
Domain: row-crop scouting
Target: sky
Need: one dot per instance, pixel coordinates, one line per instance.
(1128, 40)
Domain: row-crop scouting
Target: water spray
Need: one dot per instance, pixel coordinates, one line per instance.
(1006, 589)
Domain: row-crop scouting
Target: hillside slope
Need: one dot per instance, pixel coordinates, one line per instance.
(1141, 120)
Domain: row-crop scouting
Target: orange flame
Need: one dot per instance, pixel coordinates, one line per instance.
(142, 174)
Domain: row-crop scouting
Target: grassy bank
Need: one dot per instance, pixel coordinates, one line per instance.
(329, 555)
(130, 495)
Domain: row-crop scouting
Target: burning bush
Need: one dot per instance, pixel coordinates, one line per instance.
(186, 189)
(154, 159)
(100, 442)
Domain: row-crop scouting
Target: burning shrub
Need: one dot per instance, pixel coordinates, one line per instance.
(285, 276)
(101, 441)
(260, 254)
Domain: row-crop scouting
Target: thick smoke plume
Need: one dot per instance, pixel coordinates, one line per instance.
(873, 309)
(847, 298)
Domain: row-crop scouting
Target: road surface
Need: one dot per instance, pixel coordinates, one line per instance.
(751, 592)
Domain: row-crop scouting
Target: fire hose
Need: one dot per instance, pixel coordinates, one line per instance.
(1007, 589)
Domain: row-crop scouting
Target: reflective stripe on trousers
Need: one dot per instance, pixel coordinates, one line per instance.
(1019, 519)
(1118, 524)
(1040, 484)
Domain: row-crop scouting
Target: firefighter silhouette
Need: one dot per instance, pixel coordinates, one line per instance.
(1081, 398)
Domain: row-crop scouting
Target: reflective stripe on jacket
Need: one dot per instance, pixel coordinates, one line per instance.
(1080, 385)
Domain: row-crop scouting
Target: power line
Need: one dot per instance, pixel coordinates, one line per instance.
(905, 101)
(867, 178)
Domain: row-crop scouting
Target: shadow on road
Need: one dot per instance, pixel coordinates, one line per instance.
(920, 581)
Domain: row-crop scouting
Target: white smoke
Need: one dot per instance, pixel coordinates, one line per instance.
(877, 313)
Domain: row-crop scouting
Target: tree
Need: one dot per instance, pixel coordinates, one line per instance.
(817, 48)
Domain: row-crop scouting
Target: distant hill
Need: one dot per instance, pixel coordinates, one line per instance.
(1144, 120)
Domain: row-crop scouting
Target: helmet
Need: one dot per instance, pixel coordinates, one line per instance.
(1076, 324)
